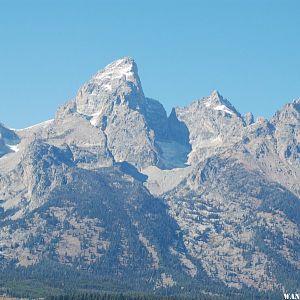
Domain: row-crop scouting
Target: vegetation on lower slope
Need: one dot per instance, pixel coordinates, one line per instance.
(54, 282)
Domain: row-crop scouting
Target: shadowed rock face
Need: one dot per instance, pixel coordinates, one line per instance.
(8, 140)
(200, 200)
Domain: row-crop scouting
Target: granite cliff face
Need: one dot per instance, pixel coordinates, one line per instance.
(199, 200)
(113, 101)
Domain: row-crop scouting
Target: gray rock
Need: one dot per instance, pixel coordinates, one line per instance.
(248, 118)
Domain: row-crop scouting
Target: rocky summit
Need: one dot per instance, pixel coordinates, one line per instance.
(114, 194)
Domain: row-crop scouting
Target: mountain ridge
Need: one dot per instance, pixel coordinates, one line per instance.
(200, 200)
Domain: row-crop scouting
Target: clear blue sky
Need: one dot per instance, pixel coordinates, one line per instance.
(248, 50)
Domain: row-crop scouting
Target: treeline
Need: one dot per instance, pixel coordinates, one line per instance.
(94, 296)
(53, 281)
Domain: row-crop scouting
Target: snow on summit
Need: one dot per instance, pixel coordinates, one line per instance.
(121, 68)
(216, 102)
(114, 83)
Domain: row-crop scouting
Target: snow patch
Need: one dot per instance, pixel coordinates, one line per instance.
(117, 70)
(107, 87)
(220, 107)
(94, 119)
(42, 124)
(14, 148)
(223, 108)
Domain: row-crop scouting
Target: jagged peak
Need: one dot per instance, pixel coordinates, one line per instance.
(117, 83)
(215, 98)
(248, 118)
(124, 68)
(125, 61)
(217, 102)
(289, 113)
(216, 95)
(295, 104)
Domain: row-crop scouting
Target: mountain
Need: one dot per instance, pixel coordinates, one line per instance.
(114, 194)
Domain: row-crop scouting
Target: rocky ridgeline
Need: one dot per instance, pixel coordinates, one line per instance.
(202, 198)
